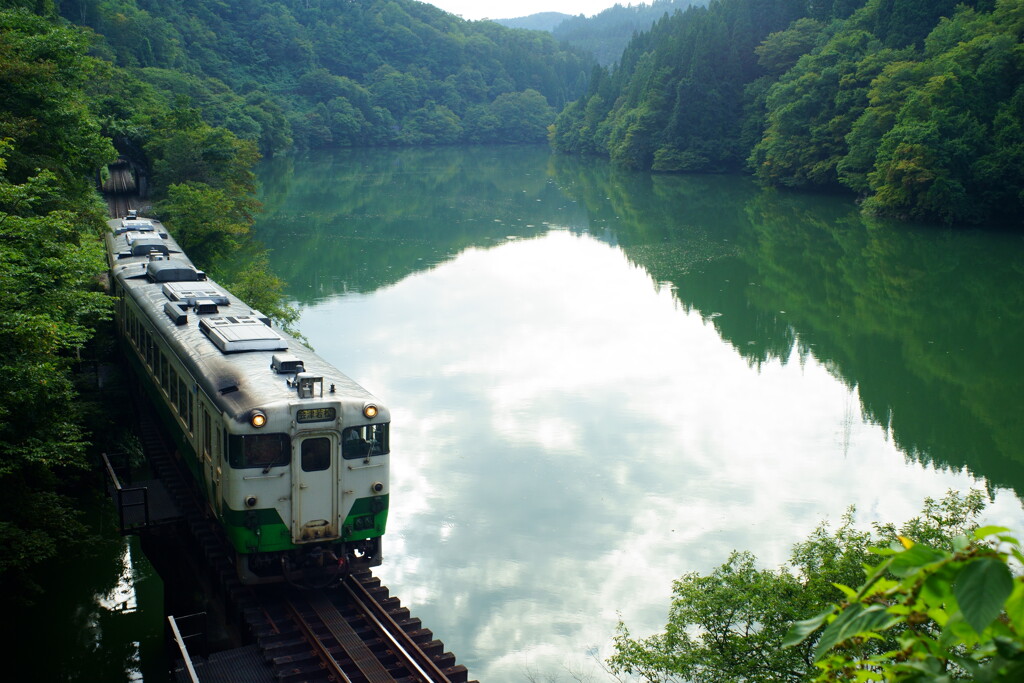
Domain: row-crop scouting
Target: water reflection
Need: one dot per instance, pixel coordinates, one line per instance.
(654, 372)
(362, 220)
(103, 623)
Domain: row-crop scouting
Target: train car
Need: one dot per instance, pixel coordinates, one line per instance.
(290, 455)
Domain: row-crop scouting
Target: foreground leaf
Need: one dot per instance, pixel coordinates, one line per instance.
(981, 589)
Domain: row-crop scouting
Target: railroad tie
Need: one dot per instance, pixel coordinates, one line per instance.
(354, 647)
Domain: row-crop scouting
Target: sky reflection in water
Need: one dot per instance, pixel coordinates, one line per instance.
(568, 440)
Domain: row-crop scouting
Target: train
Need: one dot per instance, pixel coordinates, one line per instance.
(288, 455)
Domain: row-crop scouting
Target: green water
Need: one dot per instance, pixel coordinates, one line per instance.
(926, 322)
(100, 618)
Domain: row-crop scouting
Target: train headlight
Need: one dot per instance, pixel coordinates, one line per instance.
(370, 411)
(250, 501)
(377, 487)
(258, 418)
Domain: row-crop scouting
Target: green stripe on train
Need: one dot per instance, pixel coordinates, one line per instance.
(264, 531)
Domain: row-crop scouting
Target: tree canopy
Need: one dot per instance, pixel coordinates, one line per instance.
(606, 34)
(335, 72)
(744, 623)
(913, 104)
(62, 108)
(50, 144)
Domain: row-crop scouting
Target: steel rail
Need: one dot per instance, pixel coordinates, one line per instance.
(320, 650)
(403, 644)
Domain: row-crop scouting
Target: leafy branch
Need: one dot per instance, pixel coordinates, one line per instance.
(957, 614)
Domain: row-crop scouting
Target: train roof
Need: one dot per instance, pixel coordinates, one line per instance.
(231, 349)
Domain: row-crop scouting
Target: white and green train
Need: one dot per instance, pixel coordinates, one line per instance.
(290, 455)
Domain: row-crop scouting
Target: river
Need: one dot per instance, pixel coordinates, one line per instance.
(601, 380)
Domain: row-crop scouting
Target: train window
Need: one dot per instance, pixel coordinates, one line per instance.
(316, 454)
(364, 441)
(173, 393)
(170, 377)
(207, 433)
(259, 450)
(181, 394)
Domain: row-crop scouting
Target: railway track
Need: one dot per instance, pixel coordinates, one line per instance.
(120, 190)
(354, 633)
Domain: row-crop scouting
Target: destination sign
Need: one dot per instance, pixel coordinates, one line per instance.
(316, 415)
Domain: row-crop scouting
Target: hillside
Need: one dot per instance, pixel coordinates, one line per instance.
(605, 35)
(915, 105)
(336, 72)
(542, 21)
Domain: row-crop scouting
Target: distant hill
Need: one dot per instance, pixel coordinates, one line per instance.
(605, 34)
(542, 21)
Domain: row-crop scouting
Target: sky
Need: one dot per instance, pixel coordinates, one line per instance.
(511, 9)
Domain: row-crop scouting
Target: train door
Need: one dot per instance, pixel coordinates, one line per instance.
(216, 463)
(315, 486)
(208, 462)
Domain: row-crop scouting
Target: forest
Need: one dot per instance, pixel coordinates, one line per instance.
(914, 105)
(307, 74)
(606, 34)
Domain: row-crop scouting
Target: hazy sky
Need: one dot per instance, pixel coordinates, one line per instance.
(509, 9)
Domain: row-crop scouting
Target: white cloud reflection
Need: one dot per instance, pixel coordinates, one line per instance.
(567, 441)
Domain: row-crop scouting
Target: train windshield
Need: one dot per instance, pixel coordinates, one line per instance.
(364, 441)
(259, 450)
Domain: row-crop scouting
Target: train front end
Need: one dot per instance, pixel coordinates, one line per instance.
(307, 494)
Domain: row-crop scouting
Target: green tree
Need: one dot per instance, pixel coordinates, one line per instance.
(522, 116)
(730, 625)
(953, 613)
(50, 306)
(388, 58)
(911, 130)
(50, 299)
(257, 285)
(431, 124)
(207, 222)
(937, 159)
(814, 106)
(45, 110)
(779, 51)
(724, 626)
(184, 148)
(678, 100)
